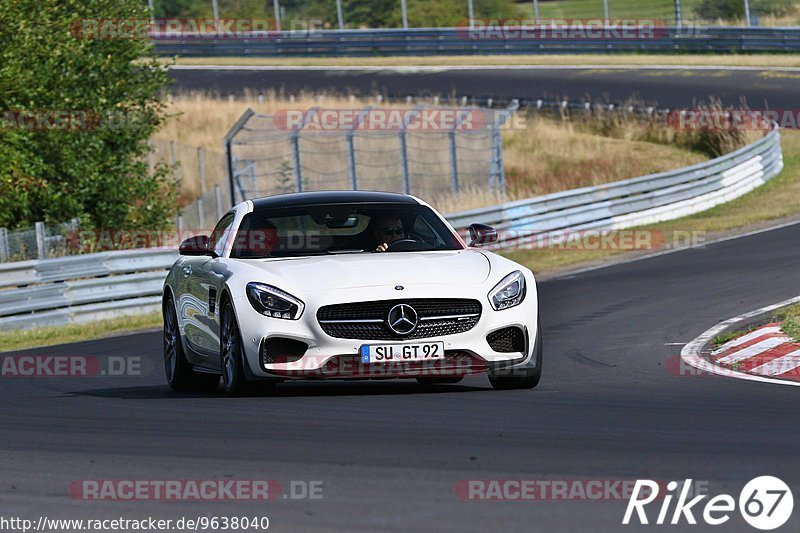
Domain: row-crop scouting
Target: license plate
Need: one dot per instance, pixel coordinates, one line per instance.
(393, 353)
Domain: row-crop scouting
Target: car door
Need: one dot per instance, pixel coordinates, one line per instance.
(202, 286)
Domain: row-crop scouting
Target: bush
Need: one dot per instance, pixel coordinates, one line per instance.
(734, 9)
(96, 173)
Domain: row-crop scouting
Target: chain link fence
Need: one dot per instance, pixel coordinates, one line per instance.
(425, 151)
(41, 241)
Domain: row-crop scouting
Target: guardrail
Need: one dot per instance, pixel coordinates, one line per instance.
(460, 41)
(111, 284)
(82, 288)
(633, 202)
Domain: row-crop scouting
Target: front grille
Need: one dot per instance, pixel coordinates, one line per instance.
(437, 318)
(507, 340)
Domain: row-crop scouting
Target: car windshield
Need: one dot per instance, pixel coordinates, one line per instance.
(341, 229)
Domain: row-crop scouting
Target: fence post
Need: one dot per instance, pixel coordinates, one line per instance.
(173, 148)
(498, 172)
(453, 161)
(218, 201)
(298, 173)
(351, 160)
(4, 245)
(201, 163)
(678, 15)
(41, 241)
(201, 213)
(404, 161)
(229, 159)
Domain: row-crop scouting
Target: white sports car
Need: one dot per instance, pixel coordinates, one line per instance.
(346, 285)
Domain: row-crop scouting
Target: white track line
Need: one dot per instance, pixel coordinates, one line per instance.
(691, 352)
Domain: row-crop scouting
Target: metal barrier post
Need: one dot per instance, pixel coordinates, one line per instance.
(497, 158)
(298, 174)
(4, 245)
(351, 161)
(201, 163)
(41, 243)
(351, 149)
(218, 201)
(229, 159)
(453, 159)
(201, 214)
(174, 150)
(404, 160)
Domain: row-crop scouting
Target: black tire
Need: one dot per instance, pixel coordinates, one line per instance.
(439, 381)
(231, 359)
(527, 380)
(179, 372)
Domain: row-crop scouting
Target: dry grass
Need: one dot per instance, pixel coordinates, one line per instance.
(550, 156)
(684, 60)
(542, 156)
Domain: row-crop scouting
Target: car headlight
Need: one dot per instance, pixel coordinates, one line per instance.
(273, 302)
(509, 292)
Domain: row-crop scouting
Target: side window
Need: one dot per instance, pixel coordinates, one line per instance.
(422, 230)
(220, 234)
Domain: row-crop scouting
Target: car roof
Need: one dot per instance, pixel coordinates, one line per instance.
(299, 199)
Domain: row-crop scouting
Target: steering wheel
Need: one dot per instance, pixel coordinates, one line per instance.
(404, 245)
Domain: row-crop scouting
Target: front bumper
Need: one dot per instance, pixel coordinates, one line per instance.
(334, 358)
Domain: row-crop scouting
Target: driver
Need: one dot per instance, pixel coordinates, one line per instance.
(388, 229)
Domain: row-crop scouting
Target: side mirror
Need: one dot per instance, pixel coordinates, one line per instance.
(194, 246)
(481, 234)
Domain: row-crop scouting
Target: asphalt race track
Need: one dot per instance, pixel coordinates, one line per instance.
(666, 88)
(389, 454)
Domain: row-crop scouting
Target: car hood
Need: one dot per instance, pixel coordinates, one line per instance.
(333, 272)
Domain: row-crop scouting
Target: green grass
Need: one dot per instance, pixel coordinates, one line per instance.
(35, 338)
(790, 316)
(719, 340)
(662, 10)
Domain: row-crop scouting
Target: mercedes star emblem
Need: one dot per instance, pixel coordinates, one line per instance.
(402, 319)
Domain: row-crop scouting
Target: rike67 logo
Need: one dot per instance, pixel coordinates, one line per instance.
(765, 503)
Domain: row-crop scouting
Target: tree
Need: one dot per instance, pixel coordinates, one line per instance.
(110, 90)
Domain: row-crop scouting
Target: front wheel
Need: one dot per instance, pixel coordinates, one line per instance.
(521, 379)
(232, 359)
(180, 375)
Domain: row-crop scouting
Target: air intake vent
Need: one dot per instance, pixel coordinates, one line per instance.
(507, 340)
